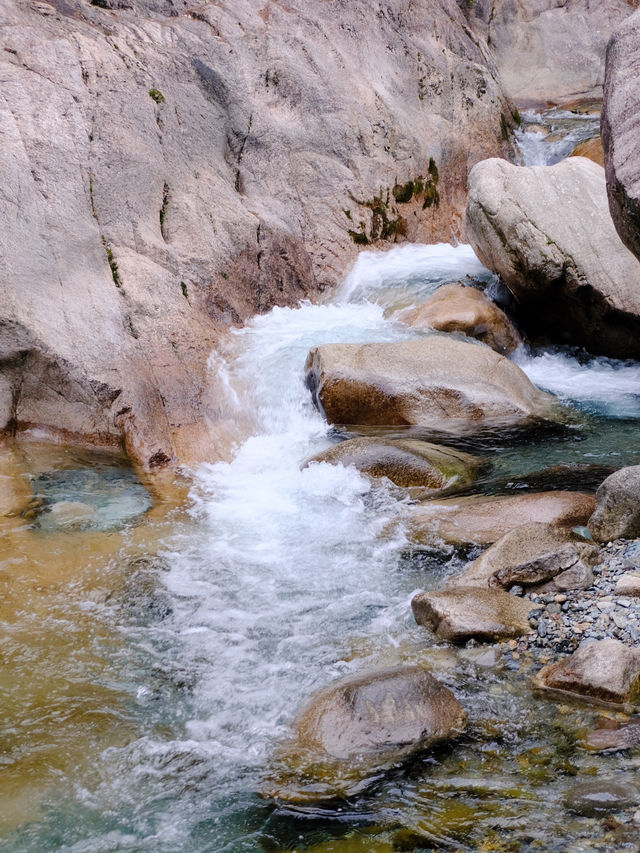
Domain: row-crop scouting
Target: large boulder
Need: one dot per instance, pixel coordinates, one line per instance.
(352, 730)
(438, 382)
(528, 555)
(463, 614)
(606, 670)
(456, 308)
(482, 520)
(617, 510)
(406, 462)
(547, 231)
(564, 44)
(205, 162)
(621, 130)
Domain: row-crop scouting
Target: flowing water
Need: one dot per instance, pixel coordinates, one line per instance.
(158, 643)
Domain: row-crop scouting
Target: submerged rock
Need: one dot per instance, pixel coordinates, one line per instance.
(530, 555)
(456, 308)
(353, 730)
(621, 130)
(437, 381)
(617, 510)
(607, 670)
(547, 231)
(406, 462)
(612, 735)
(482, 520)
(462, 614)
(600, 797)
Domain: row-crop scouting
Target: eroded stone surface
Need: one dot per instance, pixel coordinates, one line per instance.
(529, 555)
(461, 614)
(246, 170)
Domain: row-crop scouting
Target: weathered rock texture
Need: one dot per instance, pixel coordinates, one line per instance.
(171, 168)
(617, 512)
(438, 382)
(462, 614)
(605, 669)
(621, 130)
(547, 231)
(406, 462)
(529, 555)
(482, 520)
(353, 729)
(456, 308)
(548, 50)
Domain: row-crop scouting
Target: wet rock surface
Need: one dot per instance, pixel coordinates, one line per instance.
(601, 797)
(462, 614)
(406, 462)
(354, 729)
(484, 519)
(438, 381)
(607, 670)
(530, 555)
(456, 308)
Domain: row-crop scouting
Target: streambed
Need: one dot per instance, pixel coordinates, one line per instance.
(153, 661)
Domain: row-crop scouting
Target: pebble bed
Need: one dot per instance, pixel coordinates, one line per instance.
(562, 621)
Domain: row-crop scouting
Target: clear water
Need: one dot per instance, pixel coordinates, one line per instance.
(141, 701)
(547, 137)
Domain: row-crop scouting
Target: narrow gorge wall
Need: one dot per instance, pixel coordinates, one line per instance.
(171, 168)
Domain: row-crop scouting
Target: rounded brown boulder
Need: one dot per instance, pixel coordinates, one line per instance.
(436, 381)
(354, 729)
(456, 308)
(406, 462)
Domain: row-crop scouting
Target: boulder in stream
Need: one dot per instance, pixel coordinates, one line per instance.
(482, 519)
(350, 732)
(612, 735)
(617, 510)
(529, 555)
(621, 130)
(463, 614)
(456, 308)
(437, 381)
(599, 797)
(406, 462)
(605, 670)
(547, 232)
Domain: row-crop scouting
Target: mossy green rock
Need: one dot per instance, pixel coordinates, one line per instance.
(406, 462)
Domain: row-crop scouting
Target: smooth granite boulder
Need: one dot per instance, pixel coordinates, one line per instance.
(456, 308)
(621, 130)
(462, 614)
(353, 730)
(606, 670)
(547, 232)
(617, 510)
(406, 462)
(437, 381)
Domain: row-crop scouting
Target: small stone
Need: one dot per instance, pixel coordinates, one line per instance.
(560, 598)
(629, 584)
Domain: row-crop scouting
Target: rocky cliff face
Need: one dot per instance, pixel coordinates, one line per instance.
(548, 50)
(621, 131)
(170, 168)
